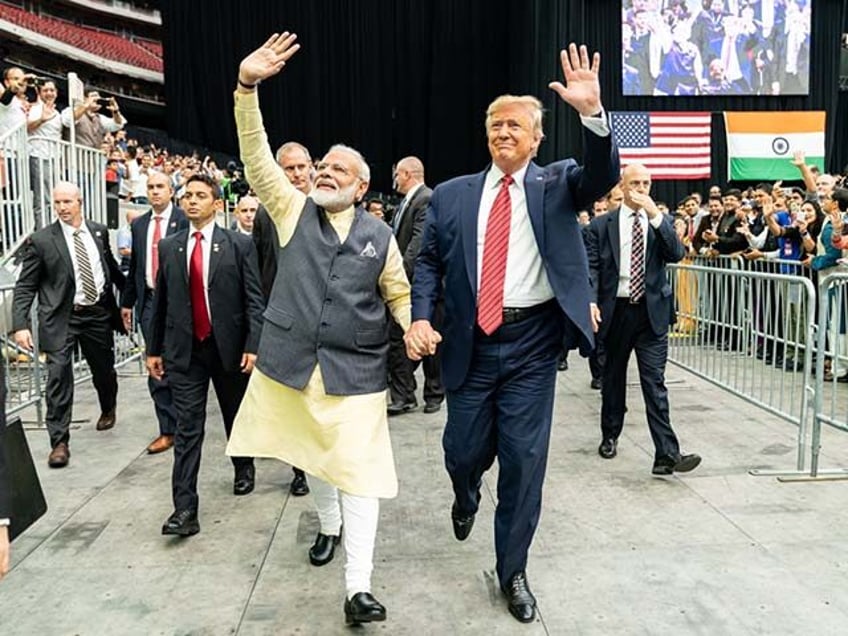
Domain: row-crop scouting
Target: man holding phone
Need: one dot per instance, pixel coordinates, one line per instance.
(91, 124)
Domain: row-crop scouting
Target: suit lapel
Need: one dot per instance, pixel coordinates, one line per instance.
(98, 241)
(614, 236)
(534, 192)
(183, 239)
(143, 223)
(62, 248)
(220, 242)
(469, 211)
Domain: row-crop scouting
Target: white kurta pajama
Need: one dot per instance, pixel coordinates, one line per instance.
(343, 440)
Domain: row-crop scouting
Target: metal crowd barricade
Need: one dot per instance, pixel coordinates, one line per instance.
(16, 216)
(831, 400)
(24, 370)
(734, 324)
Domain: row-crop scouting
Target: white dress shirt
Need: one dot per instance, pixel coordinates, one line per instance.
(93, 259)
(148, 247)
(207, 246)
(526, 282)
(625, 232)
(40, 137)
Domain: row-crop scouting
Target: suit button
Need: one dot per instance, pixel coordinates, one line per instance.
(327, 301)
(325, 324)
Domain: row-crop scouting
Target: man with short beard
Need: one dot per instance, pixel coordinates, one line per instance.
(322, 354)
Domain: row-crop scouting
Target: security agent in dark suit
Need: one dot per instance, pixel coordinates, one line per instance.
(505, 317)
(633, 306)
(408, 226)
(70, 266)
(163, 219)
(207, 315)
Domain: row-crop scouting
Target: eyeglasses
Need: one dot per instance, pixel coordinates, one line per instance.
(335, 168)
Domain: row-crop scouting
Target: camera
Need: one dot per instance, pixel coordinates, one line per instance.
(35, 80)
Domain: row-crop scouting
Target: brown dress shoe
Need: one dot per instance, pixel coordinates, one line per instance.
(59, 456)
(160, 444)
(106, 421)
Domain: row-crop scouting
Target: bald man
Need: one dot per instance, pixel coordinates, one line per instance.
(628, 250)
(70, 267)
(408, 226)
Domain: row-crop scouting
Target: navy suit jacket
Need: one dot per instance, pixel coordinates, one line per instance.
(603, 246)
(448, 253)
(137, 285)
(235, 300)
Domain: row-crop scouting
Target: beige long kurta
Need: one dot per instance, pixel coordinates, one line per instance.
(343, 440)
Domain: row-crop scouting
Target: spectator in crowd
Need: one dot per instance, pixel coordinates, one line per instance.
(374, 207)
(91, 124)
(123, 240)
(69, 266)
(296, 162)
(13, 102)
(44, 127)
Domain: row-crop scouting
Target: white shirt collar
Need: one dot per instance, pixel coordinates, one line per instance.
(495, 174)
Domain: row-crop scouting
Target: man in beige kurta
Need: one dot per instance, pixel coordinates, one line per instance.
(335, 424)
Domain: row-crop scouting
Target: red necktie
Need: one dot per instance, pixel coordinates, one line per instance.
(199, 313)
(154, 249)
(495, 244)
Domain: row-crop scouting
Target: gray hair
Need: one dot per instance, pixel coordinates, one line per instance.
(364, 170)
(288, 147)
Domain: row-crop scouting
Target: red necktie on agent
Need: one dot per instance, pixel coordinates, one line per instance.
(199, 312)
(493, 274)
(154, 248)
(637, 261)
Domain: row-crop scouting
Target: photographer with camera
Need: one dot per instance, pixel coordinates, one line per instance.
(92, 125)
(13, 102)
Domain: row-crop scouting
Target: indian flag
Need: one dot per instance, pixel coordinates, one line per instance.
(760, 145)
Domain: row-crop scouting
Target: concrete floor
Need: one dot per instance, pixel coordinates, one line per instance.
(618, 551)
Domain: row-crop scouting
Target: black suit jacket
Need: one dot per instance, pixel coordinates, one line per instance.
(133, 295)
(267, 243)
(411, 228)
(235, 300)
(5, 481)
(49, 272)
(603, 248)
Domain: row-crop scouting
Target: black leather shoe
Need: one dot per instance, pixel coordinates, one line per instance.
(596, 384)
(462, 524)
(432, 407)
(106, 421)
(680, 464)
(245, 480)
(182, 523)
(399, 408)
(324, 548)
(608, 448)
(562, 365)
(363, 608)
(522, 603)
(299, 487)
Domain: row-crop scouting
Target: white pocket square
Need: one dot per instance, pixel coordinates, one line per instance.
(369, 251)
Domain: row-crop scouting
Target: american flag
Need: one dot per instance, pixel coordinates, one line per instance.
(671, 145)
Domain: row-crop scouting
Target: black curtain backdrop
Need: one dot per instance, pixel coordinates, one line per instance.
(399, 77)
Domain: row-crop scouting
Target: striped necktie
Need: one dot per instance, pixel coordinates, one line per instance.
(493, 272)
(637, 261)
(89, 289)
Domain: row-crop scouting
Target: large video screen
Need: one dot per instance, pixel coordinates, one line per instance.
(715, 47)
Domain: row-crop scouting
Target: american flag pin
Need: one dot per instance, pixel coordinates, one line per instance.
(173, 224)
(539, 178)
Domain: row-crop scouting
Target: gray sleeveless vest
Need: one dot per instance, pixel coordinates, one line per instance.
(326, 307)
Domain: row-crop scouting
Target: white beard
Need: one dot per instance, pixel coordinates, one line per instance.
(334, 201)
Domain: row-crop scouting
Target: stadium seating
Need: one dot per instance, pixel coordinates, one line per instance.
(145, 54)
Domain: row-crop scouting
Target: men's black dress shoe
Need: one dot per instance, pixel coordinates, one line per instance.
(562, 365)
(608, 448)
(399, 408)
(299, 487)
(462, 524)
(324, 548)
(680, 464)
(106, 421)
(432, 407)
(596, 384)
(363, 608)
(522, 603)
(245, 480)
(182, 523)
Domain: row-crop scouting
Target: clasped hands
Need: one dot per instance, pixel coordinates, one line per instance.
(421, 340)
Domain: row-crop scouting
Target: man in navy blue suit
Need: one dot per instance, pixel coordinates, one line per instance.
(505, 247)
(628, 250)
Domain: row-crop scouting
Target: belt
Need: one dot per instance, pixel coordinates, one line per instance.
(100, 304)
(627, 300)
(517, 314)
